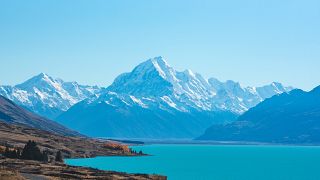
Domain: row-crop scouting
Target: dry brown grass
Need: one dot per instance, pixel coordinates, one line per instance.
(6, 174)
(62, 171)
(71, 147)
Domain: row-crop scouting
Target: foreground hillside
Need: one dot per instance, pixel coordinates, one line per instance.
(18, 136)
(14, 136)
(14, 169)
(18, 126)
(14, 114)
(292, 117)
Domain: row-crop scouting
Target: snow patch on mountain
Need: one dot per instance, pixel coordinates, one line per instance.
(138, 101)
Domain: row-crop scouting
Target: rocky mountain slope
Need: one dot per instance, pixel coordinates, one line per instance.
(292, 117)
(13, 114)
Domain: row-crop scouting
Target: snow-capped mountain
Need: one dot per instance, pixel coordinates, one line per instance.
(155, 84)
(155, 100)
(46, 96)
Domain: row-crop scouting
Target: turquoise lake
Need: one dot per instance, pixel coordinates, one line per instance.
(215, 162)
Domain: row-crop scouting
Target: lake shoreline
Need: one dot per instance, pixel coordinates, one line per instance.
(195, 161)
(39, 170)
(142, 142)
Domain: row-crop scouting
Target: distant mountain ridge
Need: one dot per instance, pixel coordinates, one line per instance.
(47, 96)
(156, 101)
(292, 117)
(13, 114)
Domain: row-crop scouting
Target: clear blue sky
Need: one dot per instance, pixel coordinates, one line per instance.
(250, 41)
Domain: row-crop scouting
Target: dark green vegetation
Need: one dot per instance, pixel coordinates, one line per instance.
(292, 117)
(30, 152)
(59, 157)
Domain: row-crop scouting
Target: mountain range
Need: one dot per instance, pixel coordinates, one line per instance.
(47, 96)
(156, 101)
(292, 117)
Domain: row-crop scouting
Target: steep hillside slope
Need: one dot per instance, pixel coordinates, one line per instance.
(292, 117)
(13, 114)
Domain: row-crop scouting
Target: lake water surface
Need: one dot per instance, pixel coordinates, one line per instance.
(215, 162)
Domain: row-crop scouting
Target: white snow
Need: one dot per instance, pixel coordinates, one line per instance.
(157, 66)
(169, 101)
(21, 96)
(138, 101)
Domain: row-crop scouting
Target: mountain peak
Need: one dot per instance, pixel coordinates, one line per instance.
(155, 61)
(276, 84)
(38, 79)
(296, 92)
(316, 90)
(42, 75)
(156, 64)
(151, 77)
(158, 60)
(159, 63)
(189, 73)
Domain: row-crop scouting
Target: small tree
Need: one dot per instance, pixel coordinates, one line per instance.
(45, 156)
(7, 152)
(59, 157)
(18, 153)
(31, 152)
(13, 154)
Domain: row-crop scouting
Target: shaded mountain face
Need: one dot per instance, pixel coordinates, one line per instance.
(292, 117)
(46, 96)
(105, 120)
(156, 101)
(13, 114)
